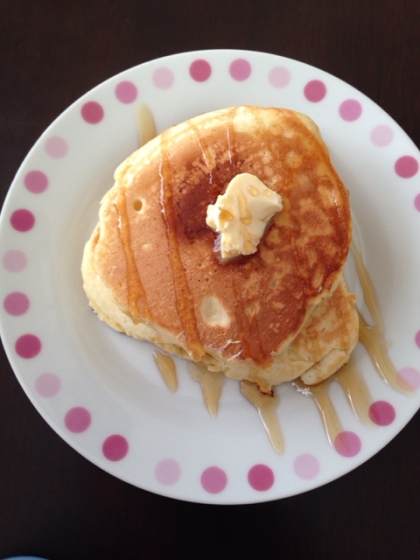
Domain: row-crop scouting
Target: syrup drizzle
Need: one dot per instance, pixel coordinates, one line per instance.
(320, 394)
(136, 294)
(266, 406)
(213, 179)
(146, 126)
(356, 390)
(167, 368)
(184, 300)
(211, 384)
(372, 336)
(231, 140)
(146, 129)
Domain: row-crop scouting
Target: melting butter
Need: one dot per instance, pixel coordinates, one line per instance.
(211, 384)
(241, 215)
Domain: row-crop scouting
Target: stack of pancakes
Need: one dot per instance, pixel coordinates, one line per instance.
(151, 270)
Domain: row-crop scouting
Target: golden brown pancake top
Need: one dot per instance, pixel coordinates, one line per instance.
(155, 252)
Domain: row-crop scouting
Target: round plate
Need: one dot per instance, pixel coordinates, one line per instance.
(100, 390)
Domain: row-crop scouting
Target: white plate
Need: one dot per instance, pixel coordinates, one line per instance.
(101, 391)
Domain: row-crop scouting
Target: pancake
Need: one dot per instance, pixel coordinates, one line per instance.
(323, 345)
(150, 268)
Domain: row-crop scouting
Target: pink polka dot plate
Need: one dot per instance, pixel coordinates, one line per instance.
(100, 390)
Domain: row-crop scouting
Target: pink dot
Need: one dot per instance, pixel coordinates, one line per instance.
(381, 135)
(382, 413)
(115, 447)
(77, 420)
(240, 69)
(417, 202)
(348, 444)
(410, 376)
(350, 110)
(28, 346)
(279, 77)
(261, 477)
(163, 78)
(56, 147)
(36, 181)
(315, 91)
(214, 480)
(168, 472)
(92, 112)
(22, 220)
(126, 92)
(48, 384)
(14, 260)
(200, 70)
(16, 303)
(417, 338)
(406, 167)
(306, 466)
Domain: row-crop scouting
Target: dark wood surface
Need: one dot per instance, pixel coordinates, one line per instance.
(53, 502)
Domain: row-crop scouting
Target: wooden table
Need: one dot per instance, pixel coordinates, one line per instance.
(53, 502)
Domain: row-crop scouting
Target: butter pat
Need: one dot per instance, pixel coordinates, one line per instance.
(242, 214)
